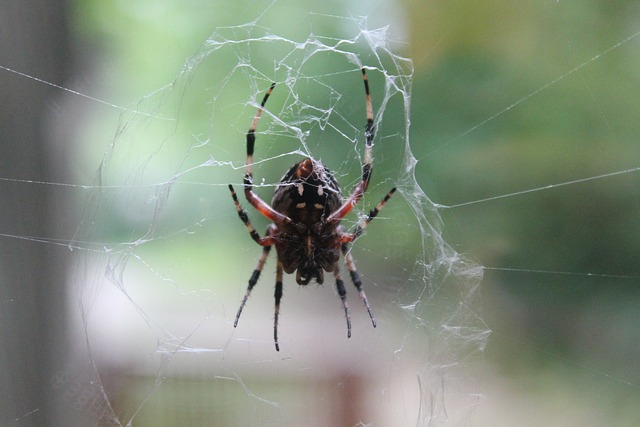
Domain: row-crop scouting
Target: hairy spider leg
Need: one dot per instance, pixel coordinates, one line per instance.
(261, 206)
(367, 164)
(343, 297)
(252, 281)
(266, 243)
(355, 278)
(278, 297)
(251, 138)
(348, 259)
(350, 237)
(244, 217)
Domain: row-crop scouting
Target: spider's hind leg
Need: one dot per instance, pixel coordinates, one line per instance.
(252, 281)
(342, 292)
(278, 297)
(355, 278)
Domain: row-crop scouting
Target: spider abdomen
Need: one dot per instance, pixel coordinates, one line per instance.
(307, 252)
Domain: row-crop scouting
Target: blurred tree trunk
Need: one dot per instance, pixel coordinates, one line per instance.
(34, 41)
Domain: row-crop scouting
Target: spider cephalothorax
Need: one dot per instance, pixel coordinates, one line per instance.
(306, 210)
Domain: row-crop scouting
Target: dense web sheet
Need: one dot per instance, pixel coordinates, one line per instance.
(159, 299)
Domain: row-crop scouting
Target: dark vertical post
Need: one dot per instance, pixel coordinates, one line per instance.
(34, 41)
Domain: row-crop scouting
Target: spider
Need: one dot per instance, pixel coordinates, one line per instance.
(305, 211)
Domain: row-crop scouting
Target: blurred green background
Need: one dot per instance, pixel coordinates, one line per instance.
(522, 113)
(508, 96)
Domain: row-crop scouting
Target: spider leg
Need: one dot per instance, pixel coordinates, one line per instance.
(252, 281)
(343, 297)
(350, 237)
(355, 278)
(278, 297)
(255, 200)
(266, 243)
(367, 164)
(262, 241)
(348, 259)
(251, 139)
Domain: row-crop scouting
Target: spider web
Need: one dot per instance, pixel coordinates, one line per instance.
(165, 259)
(162, 261)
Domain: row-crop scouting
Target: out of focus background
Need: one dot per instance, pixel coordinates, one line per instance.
(504, 274)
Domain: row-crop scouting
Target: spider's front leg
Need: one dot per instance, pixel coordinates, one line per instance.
(367, 163)
(255, 200)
